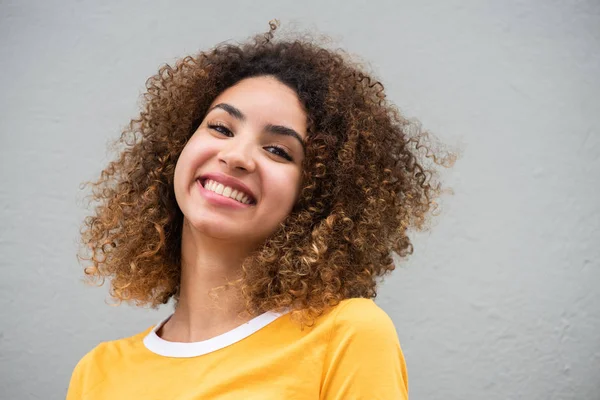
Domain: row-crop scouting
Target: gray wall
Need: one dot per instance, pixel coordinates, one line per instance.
(499, 301)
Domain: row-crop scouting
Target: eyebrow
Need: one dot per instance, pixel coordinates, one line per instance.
(276, 129)
(231, 110)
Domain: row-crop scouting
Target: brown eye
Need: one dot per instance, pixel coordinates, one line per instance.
(279, 151)
(221, 129)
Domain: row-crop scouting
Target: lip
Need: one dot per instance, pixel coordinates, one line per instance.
(218, 200)
(228, 181)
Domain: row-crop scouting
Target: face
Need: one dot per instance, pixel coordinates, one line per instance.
(238, 177)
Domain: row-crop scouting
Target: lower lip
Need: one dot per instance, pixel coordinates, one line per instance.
(219, 200)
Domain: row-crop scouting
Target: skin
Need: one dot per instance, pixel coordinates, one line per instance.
(253, 133)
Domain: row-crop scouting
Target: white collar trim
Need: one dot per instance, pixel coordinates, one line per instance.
(162, 347)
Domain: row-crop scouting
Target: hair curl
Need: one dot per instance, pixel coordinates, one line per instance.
(365, 182)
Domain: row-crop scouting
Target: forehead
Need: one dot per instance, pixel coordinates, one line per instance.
(266, 100)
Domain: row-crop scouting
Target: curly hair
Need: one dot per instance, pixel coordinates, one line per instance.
(367, 179)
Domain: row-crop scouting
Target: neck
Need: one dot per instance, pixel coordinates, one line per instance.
(207, 305)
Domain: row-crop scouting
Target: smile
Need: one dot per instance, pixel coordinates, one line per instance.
(227, 191)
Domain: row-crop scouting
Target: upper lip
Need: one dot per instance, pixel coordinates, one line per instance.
(227, 180)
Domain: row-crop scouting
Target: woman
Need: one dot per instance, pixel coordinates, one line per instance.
(264, 187)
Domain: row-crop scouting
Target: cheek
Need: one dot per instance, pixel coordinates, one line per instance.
(283, 188)
(195, 154)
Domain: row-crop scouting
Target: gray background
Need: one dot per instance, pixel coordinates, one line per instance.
(499, 301)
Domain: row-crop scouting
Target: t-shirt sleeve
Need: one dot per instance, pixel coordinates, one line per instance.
(364, 359)
(75, 390)
(83, 375)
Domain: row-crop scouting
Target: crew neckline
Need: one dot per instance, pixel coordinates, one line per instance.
(162, 347)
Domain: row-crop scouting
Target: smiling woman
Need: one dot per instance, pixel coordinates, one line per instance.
(264, 187)
(251, 142)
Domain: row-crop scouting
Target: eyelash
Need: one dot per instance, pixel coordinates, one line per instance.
(222, 129)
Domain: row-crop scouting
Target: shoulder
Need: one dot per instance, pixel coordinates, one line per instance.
(89, 369)
(360, 326)
(114, 348)
(364, 359)
(361, 309)
(83, 375)
(363, 317)
(88, 360)
(93, 367)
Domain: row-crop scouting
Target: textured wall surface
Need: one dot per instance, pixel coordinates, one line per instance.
(499, 301)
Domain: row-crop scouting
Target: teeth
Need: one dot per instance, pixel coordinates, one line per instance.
(226, 191)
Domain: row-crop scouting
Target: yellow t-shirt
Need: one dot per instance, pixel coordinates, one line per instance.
(352, 352)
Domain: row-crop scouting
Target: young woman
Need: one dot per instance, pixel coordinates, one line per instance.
(264, 187)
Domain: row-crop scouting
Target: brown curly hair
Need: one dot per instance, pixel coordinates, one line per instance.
(367, 179)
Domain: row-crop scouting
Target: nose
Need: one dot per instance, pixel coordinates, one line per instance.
(238, 155)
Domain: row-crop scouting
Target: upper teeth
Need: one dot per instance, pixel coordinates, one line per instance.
(226, 191)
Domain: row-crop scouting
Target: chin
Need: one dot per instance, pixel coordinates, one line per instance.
(227, 230)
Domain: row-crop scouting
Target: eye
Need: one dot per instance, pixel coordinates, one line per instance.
(279, 151)
(222, 129)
